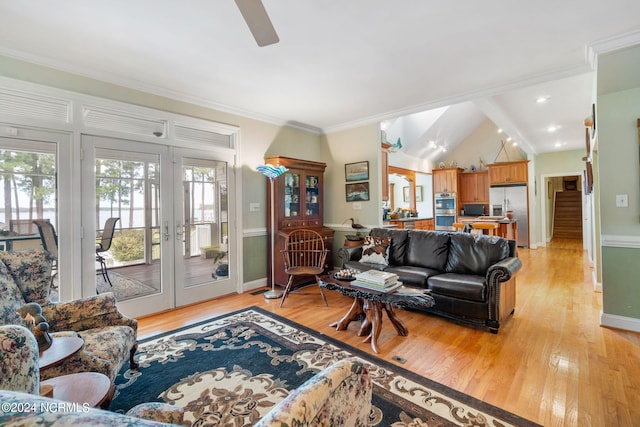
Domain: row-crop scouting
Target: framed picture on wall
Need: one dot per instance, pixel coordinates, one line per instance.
(419, 193)
(358, 192)
(356, 171)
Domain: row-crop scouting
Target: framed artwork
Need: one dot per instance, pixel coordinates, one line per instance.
(358, 192)
(356, 171)
(405, 194)
(418, 193)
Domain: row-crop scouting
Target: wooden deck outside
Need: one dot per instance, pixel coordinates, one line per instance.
(197, 270)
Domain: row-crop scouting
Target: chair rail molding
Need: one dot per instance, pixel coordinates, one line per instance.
(619, 241)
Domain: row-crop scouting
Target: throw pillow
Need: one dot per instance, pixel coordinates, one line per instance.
(375, 250)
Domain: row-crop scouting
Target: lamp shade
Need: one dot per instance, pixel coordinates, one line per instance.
(271, 171)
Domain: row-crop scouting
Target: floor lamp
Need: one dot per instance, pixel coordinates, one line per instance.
(272, 172)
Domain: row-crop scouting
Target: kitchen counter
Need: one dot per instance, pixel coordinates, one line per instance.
(499, 220)
(418, 223)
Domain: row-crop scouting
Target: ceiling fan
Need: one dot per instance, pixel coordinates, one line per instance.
(258, 21)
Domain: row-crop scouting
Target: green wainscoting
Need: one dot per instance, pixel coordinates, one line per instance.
(254, 258)
(621, 281)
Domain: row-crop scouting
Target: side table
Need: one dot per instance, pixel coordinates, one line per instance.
(91, 388)
(61, 349)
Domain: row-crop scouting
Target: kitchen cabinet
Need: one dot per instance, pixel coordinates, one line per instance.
(508, 173)
(414, 224)
(474, 188)
(446, 180)
(425, 224)
(298, 203)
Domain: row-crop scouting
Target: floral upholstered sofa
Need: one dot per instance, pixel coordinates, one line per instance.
(109, 336)
(22, 405)
(339, 395)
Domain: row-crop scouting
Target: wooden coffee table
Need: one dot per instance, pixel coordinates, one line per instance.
(368, 305)
(61, 349)
(91, 388)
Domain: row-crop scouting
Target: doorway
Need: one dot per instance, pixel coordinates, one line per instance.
(173, 210)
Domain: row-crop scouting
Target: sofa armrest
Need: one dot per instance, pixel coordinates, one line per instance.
(158, 411)
(86, 313)
(339, 395)
(503, 270)
(350, 253)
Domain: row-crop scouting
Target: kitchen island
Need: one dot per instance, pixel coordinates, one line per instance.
(507, 228)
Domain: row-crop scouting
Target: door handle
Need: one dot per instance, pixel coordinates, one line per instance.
(166, 231)
(179, 229)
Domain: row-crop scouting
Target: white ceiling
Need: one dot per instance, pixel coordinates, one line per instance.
(341, 64)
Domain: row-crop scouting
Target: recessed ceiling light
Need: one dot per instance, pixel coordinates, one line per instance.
(514, 144)
(542, 99)
(552, 128)
(499, 130)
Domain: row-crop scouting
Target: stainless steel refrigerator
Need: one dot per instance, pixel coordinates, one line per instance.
(503, 198)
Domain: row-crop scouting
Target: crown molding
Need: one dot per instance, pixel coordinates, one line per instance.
(152, 89)
(617, 42)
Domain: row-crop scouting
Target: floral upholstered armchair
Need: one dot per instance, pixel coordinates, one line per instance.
(20, 387)
(109, 336)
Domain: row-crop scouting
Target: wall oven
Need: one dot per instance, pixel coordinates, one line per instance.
(445, 210)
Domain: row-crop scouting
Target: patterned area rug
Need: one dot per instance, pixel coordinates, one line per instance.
(233, 369)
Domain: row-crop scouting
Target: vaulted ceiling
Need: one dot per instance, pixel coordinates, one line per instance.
(341, 64)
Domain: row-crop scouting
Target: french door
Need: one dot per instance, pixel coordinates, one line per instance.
(171, 246)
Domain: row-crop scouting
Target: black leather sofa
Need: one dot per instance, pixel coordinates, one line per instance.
(471, 277)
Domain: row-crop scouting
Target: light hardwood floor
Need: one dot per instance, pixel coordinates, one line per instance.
(551, 362)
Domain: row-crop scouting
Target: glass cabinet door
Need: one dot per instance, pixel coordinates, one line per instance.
(292, 195)
(312, 197)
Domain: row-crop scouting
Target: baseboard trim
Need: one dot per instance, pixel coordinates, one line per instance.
(619, 322)
(597, 286)
(254, 284)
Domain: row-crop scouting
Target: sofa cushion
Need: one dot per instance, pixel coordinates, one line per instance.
(427, 249)
(398, 247)
(412, 276)
(31, 271)
(465, 286)
(474, 254)
(11, 298)
(375, 250)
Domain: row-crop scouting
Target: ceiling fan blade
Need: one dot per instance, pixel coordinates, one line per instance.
(258, 21)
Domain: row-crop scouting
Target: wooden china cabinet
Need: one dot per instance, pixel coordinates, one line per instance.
(298, 203)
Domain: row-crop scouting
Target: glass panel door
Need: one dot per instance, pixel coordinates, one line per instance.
(28, 191)
(124, 181)
(291, 194)
(203, 266)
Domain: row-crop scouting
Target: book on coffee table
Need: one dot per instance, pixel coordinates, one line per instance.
(377, 277)
(374, 287)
